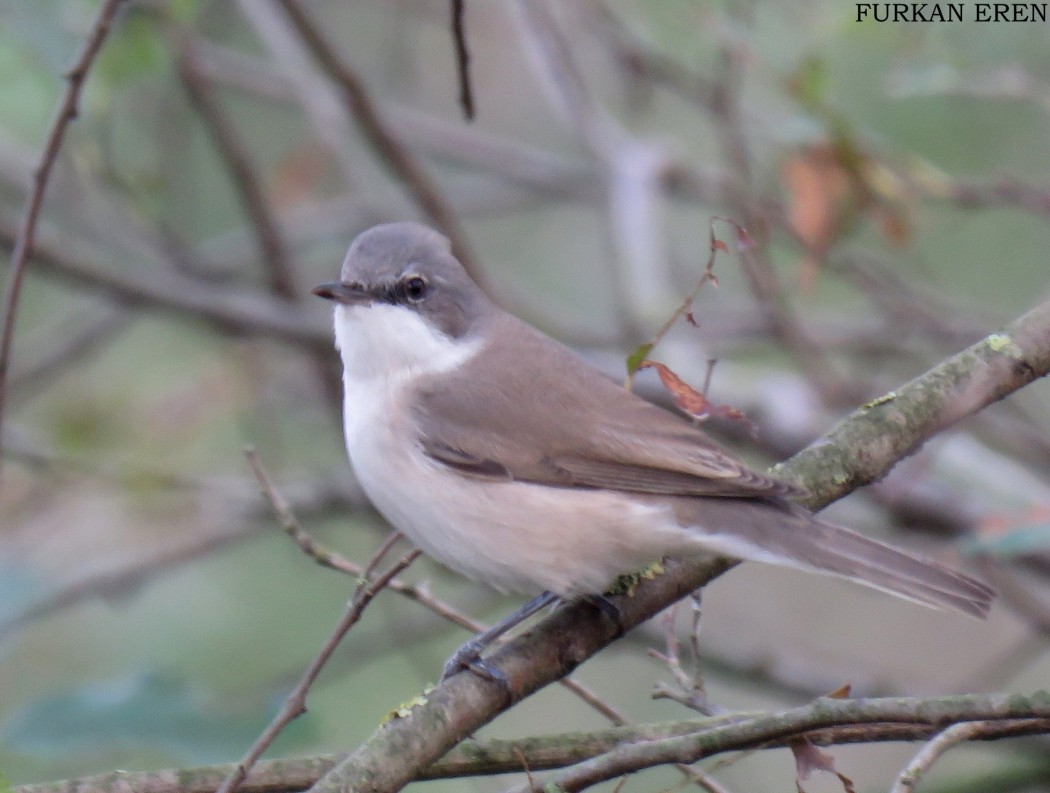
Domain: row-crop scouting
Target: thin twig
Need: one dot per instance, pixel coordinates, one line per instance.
(770, 297)
(232, 151)
(685, 307)
(459, 36)
(295, 705)
(290, 523)
(929, 754)
(67, 111)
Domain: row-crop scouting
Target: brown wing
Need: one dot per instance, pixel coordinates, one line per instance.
(527, 408)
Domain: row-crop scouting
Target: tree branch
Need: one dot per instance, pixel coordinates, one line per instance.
(23, 244)
(865, 445)
(229, 309)
(823, 712)
(502, 756)
(295, 705)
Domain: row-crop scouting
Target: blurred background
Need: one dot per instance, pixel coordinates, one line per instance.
(894, 181)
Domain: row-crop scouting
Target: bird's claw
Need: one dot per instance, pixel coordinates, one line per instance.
(469, 657)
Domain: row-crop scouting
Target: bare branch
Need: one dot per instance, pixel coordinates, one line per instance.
(291, 526)
(459, 36)
(502, 756)
(295, 705)
(273, 247)
(242, 172)
(866, 444)
(929, 754)
(25, 237)
(229, 309)
(754, 732)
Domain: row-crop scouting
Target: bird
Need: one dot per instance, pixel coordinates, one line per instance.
(505, 456)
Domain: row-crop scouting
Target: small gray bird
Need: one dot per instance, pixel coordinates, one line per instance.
(507, 457)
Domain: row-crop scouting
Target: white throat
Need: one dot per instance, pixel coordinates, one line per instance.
(395, 343)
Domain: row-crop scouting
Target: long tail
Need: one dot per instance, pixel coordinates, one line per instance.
(790, 536)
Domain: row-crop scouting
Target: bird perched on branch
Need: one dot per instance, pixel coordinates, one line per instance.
(508, 458)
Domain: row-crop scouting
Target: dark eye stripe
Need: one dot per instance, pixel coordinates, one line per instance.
(407, 291)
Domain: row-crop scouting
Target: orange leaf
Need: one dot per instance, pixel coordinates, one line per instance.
(685, 396)
(691, 401)
(842, 692)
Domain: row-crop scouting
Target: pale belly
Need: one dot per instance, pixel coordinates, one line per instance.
(514, 536)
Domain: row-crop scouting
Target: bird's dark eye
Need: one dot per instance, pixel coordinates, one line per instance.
(415, 288)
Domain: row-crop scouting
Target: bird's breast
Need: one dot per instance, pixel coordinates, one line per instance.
(514, 536)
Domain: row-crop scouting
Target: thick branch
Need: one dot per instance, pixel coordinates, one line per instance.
(399, 751)
(868, 443)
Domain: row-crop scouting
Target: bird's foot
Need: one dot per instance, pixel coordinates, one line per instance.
(468, 657)
(609, 609)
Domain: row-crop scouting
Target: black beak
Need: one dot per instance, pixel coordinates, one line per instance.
(347, 294)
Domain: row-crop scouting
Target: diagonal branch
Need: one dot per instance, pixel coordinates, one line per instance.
(276, 255)
(295, 705)
(230, 147)
(864, 446)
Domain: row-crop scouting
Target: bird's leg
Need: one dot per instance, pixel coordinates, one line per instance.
(469, 655)
(608, 608)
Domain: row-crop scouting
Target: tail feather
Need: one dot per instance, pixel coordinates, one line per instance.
(788, 535)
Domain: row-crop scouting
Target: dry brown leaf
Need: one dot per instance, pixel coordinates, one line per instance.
(691, 401)
(809, 758)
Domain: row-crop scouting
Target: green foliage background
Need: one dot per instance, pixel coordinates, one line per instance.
(143, 437)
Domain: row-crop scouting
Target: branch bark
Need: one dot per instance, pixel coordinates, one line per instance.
(542, 753)
(864, 446)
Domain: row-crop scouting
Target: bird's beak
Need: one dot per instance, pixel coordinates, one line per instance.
(347, 294)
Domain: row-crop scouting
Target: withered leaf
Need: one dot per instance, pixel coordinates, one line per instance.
(691, 401)
(809, 758)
